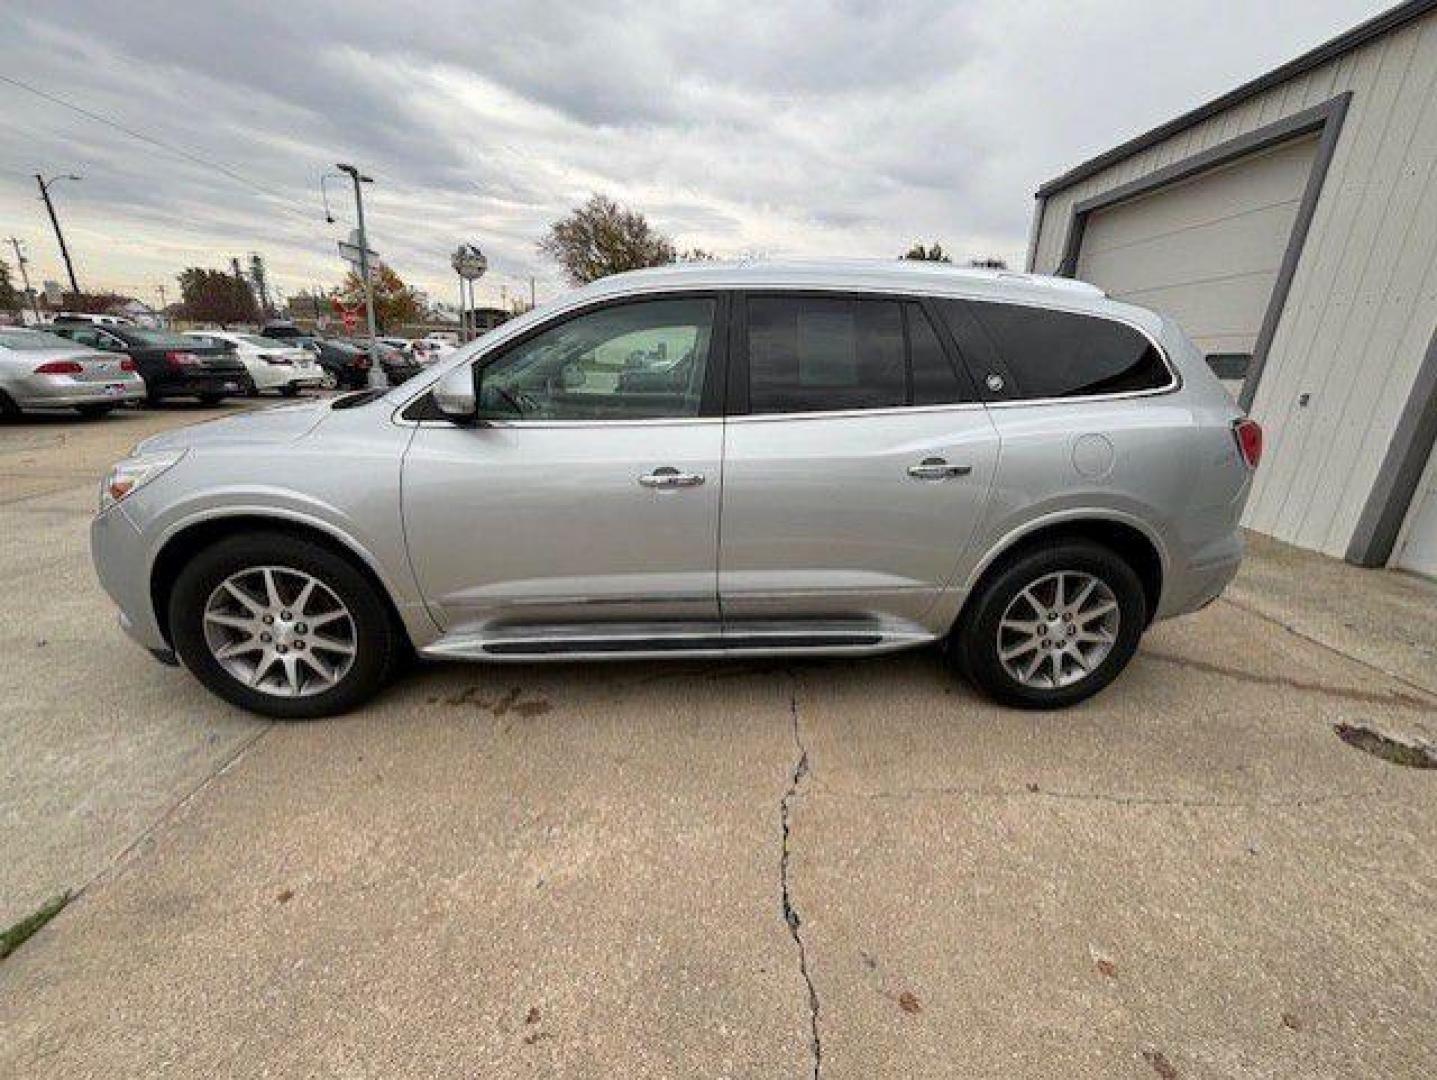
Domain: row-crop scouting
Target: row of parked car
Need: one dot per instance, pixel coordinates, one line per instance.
(95, 364)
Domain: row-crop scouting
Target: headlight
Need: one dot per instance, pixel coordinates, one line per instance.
(133, 473)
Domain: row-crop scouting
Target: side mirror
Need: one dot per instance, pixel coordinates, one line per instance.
(454, 396)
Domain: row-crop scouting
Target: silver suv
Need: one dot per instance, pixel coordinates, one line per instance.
(743, 460)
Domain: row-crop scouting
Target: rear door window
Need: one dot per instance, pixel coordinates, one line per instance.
(830, 353)
(1027, 353)
(819, 354)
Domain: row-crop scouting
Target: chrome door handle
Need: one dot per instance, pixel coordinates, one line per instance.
(669, 477)
(936, 468)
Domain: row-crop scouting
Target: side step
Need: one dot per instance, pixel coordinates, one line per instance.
(567, 643)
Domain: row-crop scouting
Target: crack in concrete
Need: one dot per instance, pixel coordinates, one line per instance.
(1115, 799)
(1343, 693)
(790, 913)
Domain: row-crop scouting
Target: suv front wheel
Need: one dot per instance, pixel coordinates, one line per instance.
(1052, 626)
(282, 626)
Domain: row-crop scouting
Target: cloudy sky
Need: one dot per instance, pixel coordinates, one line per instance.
(788, 127)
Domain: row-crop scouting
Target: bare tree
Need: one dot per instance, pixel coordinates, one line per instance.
(932, 253)
(602, 238)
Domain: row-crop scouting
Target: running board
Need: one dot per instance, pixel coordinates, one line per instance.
(513, 645)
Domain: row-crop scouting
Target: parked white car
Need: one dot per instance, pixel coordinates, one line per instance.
(272, 364)
(428, 351)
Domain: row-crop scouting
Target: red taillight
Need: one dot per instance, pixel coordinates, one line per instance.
(128, 365)
(60, 367)
(1249, 441)
(181, 359)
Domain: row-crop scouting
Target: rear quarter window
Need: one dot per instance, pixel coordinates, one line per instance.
(1027, 353)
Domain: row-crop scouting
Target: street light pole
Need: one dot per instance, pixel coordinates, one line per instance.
(375, 368)
(22, 262)
(55, 221)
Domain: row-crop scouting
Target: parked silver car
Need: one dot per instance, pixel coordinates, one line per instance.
(42, 371)
(710, 460)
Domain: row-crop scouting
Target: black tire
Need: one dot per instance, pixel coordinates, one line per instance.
(211, 399)
(974, 642)
(94, 412)
(8, 409)
(289, 391)
(378, 641)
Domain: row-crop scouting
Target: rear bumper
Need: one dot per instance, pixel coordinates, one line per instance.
(192, 383)
(1201, 581)
(66, 391)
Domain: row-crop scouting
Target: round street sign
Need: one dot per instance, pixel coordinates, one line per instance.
(469, 262)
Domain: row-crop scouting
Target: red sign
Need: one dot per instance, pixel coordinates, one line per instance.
(351, 319)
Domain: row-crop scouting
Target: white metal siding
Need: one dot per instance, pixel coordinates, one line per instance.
(1205, 251)
(1417, 546)
(1363, 304)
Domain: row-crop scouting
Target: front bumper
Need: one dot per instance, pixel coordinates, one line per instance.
(121, 560)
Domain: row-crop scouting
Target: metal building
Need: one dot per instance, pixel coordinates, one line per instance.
(1290, 227)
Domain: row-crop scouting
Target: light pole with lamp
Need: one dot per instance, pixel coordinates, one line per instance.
(376, 371)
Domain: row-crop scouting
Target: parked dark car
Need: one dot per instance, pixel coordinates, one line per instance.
(347, 363)
(281, 330)
(346, 366)
(171, 365)
(398, 365)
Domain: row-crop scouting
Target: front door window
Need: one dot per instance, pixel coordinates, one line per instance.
(634, 361)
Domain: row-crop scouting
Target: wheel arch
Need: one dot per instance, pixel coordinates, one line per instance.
(1129, 538)
(182, 545)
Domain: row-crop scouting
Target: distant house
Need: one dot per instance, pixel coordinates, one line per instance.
(483, 319)
(140, 313)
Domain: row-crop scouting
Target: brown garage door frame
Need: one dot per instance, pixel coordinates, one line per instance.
(1325, 119)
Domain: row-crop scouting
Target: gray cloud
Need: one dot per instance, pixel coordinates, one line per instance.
(801, 127)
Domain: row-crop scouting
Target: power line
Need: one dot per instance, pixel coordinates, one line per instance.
(168, 147)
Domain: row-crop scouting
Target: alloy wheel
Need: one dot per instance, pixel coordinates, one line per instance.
(280, 631)
(1058, 629)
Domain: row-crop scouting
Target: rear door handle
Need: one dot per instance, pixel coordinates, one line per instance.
(935, 468)
(669, 477)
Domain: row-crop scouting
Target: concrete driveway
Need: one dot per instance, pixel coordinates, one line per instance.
(744, 870)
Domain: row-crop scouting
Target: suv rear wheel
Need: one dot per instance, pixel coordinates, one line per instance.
(282, 626)
(1052, 626)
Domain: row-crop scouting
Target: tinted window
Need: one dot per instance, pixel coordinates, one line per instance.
(1040, 353)
(630, 361)
(935, 380)
(812, 354)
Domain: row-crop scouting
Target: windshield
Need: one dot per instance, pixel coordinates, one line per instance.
(23, 340)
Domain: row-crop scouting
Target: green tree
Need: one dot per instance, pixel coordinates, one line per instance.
(395, 303)
(9, 295)
(932, 253)
(602, 238)
(214, 296)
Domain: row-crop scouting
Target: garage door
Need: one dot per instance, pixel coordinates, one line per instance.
(1205, 251)
(1417, 546)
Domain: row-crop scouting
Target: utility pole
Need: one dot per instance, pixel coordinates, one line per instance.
(532, 304)
(22, 262)
(164, 319)
(55, 221)
(375, 369)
